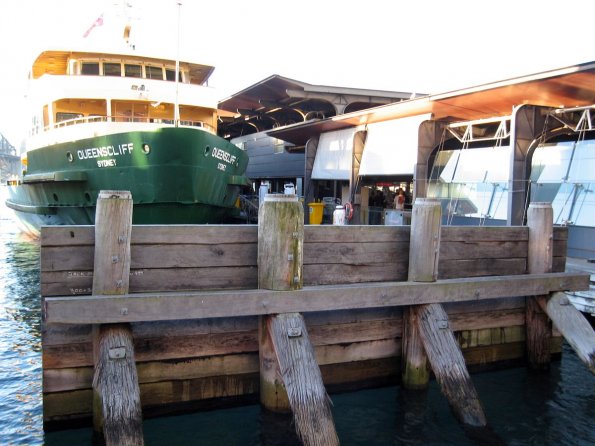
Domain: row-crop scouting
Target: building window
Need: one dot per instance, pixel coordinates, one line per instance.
(278, 146)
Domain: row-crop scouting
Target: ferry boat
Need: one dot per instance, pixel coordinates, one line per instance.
(105, 120)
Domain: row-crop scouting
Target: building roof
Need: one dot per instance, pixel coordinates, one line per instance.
(279, 101)
(568, 87)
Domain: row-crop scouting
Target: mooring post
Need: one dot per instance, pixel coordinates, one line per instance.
(117, 416)
(540, 220)
(424, 246)
(290, 378)
(427, 332)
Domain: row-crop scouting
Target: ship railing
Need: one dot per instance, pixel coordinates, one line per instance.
(136, 119)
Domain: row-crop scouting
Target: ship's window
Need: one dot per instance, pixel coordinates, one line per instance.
(112, 69)
(154, 72)
(170, 75)
(90, 68)
(133, 70)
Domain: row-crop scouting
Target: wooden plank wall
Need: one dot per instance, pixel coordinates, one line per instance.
(184, 362)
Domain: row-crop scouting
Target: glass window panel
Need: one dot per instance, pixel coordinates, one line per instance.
(90, 68)
(112, 69)
(584, 208)
(582, 168)
(472, 182)
(131, 70)
(154, 72)
(550, 162)
(564, 178)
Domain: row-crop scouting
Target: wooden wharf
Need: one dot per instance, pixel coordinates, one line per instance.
(175, 318)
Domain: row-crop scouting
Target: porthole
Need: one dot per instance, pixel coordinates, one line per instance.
(88, 197)
(69, 157)
(55, 197)
(207, 150)
(146, 148)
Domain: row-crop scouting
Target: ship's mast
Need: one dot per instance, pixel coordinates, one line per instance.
(177, 104)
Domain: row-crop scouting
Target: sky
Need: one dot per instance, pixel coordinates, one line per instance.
(424, 46)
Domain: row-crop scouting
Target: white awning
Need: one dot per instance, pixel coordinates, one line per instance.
(391, 146)
(334, 155)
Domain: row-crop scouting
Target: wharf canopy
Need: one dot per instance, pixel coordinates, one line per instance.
(279, 102)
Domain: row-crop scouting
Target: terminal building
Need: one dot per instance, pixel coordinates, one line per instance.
(485, 152)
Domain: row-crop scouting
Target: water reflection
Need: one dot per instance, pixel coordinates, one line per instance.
(20, 337)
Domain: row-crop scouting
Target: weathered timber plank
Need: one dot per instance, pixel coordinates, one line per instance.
(490, 336)
(354, 253)
(560, 233)
(352, 316)
(558, 264)
(59, 334)
(481, 267)
(355, 234)
(67, 258)
(61, 283)
(66, 333)
(81, 376)
(193, 255)
(484, 233)
(361, 372)
(489, 319)
(67, 405)
(511, 303)
(69, 355)
(76, 378)
(155, 234)
(171, 306)
(160, 340)
(336, 274)
(482, 250)
(80, 258)
(64, 351)
(492, 354)
(204, 234)
(161, 393)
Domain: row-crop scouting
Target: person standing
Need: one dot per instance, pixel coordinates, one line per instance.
(400, 200)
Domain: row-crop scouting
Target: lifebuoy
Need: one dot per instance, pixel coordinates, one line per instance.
(348, 211)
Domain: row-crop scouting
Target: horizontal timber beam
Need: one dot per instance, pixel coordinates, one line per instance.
(211, 304)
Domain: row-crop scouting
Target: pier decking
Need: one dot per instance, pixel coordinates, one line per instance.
(193, 306)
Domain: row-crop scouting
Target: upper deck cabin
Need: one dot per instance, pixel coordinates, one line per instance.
(117, 65)
(98, 89)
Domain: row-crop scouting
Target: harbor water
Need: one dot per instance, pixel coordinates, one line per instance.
(523, 408)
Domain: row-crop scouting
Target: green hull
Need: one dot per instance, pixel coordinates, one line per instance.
(175, 175)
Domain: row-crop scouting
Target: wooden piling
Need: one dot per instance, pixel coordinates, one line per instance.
(289, 374)
(117, 416)
(539, 260)
(309, 401)
(427, 332)
(424, 247)
(573, 325)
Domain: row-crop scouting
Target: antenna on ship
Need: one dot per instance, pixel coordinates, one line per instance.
(177, 104)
